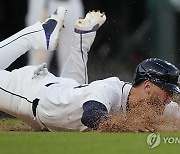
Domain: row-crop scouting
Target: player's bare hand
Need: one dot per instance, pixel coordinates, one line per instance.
(41, 70)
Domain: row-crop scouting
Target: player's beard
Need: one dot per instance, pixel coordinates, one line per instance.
(152, 103)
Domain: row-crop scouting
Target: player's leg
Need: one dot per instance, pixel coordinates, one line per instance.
(84, 35)
(38, 37)
(13, 95)
(13, 84)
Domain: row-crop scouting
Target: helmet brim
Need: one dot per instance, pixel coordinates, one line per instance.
(170, 87)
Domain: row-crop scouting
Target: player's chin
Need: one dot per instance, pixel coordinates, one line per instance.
(155, 100)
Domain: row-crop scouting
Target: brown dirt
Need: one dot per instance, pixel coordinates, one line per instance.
(140, 119)
(12, 124)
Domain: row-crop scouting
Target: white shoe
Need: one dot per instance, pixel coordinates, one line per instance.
(52, 26)
(90, 23)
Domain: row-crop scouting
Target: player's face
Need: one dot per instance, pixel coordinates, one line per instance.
(150, 94)
(162, 95)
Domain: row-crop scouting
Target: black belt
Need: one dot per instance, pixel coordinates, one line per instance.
(36, 101)
(49, 84)
(34, 106)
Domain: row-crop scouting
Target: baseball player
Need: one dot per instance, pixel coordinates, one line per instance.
(45, 101)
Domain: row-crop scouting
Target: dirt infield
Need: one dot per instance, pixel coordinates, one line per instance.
(13, 124)
(119, 123)
(142, 118)
(140, 122)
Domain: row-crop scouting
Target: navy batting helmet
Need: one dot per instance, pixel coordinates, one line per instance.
(159, 72)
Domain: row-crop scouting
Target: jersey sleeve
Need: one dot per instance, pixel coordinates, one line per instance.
(172, 110)
(102, 91)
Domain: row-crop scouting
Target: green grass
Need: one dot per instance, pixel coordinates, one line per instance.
(80, 143)
(23, 141)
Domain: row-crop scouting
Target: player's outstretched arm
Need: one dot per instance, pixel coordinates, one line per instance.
(84, 35)
(172, 110)
(93, 114)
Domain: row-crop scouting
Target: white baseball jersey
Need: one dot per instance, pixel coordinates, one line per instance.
(60, 105)
(60, 98)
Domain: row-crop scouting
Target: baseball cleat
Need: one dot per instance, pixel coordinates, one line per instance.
(52, 26)
(92, 21)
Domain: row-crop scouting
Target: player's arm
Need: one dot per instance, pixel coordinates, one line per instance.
(172, 110)
(93, 114)
(98, 98)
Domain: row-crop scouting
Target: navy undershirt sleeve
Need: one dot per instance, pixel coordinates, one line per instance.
(93, 114)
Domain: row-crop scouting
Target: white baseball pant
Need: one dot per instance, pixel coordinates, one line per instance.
(17, 88)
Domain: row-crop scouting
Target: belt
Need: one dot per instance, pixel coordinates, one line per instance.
(34, 106)
(36, 101)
